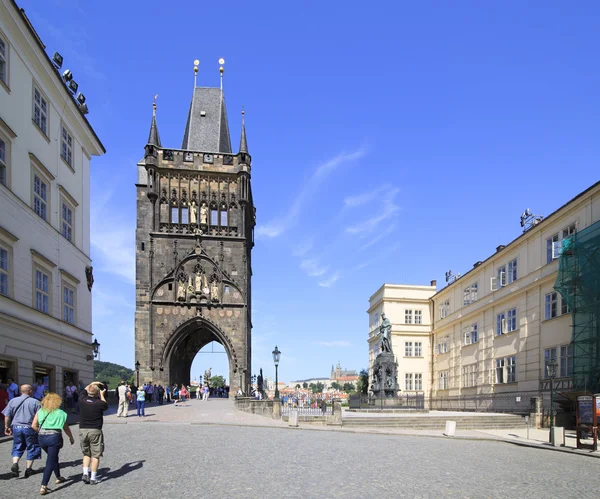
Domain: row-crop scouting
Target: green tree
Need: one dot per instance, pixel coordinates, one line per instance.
(349, 387)
(313, 388)
(363, 382)
(305, 385)
(297, 386)
(320, 387)
(217, 382)
(111, 373)
(336, 386)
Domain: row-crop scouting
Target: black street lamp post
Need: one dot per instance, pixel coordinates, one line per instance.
(276, 356)
(137, 371)
(551, 370)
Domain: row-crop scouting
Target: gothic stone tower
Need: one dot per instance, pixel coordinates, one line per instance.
(194, 236)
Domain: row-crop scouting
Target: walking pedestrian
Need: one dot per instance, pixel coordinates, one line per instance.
(39, 389)
(149, 392)
(93, 404)
(141, 402)
(70, 390)
(123, 402)
(168, 393)
(19, 414)
(49, 422)
(12, 389)
(161, 394)
(198, 392)
(183, 393)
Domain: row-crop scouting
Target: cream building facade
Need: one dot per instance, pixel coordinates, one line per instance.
(46, 144)
(408, 309)
(497, 326)
(487, 337)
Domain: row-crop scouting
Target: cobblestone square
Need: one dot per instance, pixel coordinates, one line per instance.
(153, 458)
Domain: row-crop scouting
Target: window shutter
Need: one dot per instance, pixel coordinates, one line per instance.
(556, 249)
(493, 283)
(502, 279)
(503, 326)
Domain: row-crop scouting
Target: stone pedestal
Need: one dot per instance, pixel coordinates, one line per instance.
(385, 377)
(276, 408)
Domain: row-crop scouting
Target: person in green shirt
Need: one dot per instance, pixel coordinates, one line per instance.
(49, 422)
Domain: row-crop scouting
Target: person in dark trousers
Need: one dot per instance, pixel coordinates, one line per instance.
(50, 422)
(323, 406)
(93, 404)
(19, 414)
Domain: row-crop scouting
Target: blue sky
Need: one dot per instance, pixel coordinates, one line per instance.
(391, 142)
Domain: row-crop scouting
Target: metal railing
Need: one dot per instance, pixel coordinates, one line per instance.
(408, 401)
(306, 411)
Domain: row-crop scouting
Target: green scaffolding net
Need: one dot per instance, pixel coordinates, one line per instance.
(578, 282)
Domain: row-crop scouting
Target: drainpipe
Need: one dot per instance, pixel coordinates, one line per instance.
(431, 347)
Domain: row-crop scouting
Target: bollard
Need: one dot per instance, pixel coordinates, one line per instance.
(293, 419)
(527, 423)
(450, 428)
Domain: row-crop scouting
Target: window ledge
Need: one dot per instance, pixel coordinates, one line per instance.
(70, 167)
(557, 317)
(506, 334)
(40, 130)
(471, 345)
(5, 86)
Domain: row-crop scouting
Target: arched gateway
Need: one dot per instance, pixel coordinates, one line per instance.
(195, 222)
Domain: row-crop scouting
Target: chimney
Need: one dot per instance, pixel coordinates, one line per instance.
(500, 248)
(477, 264)
(434, 283)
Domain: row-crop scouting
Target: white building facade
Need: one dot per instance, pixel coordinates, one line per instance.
(408, 309)
(46, 144)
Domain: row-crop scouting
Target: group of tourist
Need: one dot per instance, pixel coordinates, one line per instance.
(37, 425)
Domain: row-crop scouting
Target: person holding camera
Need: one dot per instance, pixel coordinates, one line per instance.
(92, 406)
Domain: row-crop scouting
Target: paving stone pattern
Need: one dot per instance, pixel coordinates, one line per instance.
(156, 459)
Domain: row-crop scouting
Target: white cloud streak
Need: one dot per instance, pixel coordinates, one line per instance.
(312, 268)
(277, 227)
(361, 199)
(378, 238)
(388, 210)
(330, 281)
(339, 343)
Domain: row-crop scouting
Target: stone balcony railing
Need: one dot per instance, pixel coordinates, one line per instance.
(194, 229)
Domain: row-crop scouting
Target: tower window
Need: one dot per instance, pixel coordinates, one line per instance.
(143, 246)
(184, 216)
(174, 215)
(224, 218)
(170, 286)
(214, 217)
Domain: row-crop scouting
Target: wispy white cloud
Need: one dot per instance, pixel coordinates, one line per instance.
(313, 268)
(379, 237)
(365, 197)
(302, 248)
(388, 209)
(278, 226)
(113, 239)
(382, 256)
(330, 281)
(340, 343)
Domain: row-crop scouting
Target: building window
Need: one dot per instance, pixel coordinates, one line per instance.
(506, 370)
(418, 349)
(40, 111)
(174, 215)
(445, 309)
(442, 346)
(549, 355)
(470, 294)
(214, 217)
(500, 324)
(418, 317)
(564, 306)
(408, 317)
(66, 146)
(3, 162)
(551, 305)
(4, 271)
(42, 291)
(67, 222)
(471, 334)
(566, 361)
(3, 61)
(443, 380)
(185, 216)
(469, 375)
(502, 276)
(569, 231)
(408, 381)
(513, 274)
(549, 247)
(408, 349)
(40, 197)
(418, 381)
(68, 304)
(224, 218)
(511, 322)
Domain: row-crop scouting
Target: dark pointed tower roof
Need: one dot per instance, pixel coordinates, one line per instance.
(243, 141)
(154, 137)
(207, 128)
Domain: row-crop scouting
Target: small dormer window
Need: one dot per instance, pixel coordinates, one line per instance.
(203, 113)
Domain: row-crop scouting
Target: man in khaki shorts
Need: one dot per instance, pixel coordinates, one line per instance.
(92, 407)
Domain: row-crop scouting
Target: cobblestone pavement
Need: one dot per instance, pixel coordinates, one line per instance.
(178, 459)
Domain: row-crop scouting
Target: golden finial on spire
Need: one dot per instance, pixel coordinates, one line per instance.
(196, 64)
(221, 69)
(243, 112)
(154, 105)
